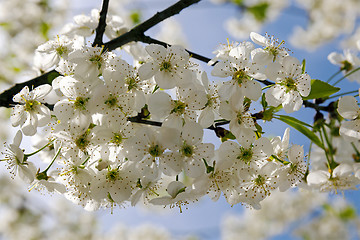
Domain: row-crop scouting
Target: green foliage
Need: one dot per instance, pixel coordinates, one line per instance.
(301, 127)
(303, 66)
(259, 11)
(44, 30)
(320, 89)
(228, 135)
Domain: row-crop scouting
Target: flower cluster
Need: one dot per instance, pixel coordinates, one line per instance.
(120, 133)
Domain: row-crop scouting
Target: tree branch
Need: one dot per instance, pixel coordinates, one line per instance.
(138, 32)
(100, 30)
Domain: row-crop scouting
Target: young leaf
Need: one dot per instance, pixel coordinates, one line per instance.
(303, 66)
(320, 89)
(300, 126)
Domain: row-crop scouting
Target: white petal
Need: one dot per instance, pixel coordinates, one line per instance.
(160, 104)
(192, 133)
(18, 115)
(348, 108)
(147, 70)
(336, 58)
(258, 39)
(251, 89)
(304, 84)
(293, 102)
(206, 118)
(30, 125)
(296, 154)
(350, 130)
(317, 177)
(156, 51)
(167, 80)
(41, 91)
(194, 168)
(174, 187)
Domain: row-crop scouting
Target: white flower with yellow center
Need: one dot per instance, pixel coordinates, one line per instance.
(290, 84)
(242, 72)
(169, 66)
(31, 113)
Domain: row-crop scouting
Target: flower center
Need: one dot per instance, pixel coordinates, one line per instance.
(289, 83)
(179, 107)
(61, 50)
(239, 76)
(97, 59)
(111, 101)
(82, 142)
(165, 66)
(187, 150)
(113, 175)
(30, 105)
(259, 180)
(131, 82)
(80, 103)
(346, 65)
(155, 151)
(245, 155)
(117, 139)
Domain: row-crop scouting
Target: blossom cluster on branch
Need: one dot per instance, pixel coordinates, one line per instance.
(114, 133)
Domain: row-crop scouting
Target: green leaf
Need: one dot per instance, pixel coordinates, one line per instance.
(238, 2)
(300, 126)
(303, 66)
(320, 89)
(263, 101)
(228, 135)
(259, 11)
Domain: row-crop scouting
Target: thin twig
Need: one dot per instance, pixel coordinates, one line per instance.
(100, 30)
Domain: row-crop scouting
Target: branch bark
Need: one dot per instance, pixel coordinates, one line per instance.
(100, 30)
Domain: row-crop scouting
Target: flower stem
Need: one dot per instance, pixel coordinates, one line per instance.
(39, 150)
(53, 160)
(342, 94)
(345, 76)
(334, 75)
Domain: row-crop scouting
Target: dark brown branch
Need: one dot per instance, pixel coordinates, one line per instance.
(100, 30)
(6, 96)
(138, 32)
(147, 122)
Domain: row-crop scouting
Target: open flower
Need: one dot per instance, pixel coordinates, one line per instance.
(17, 163)
(290, 84)
(31, 113)
(169, 66)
